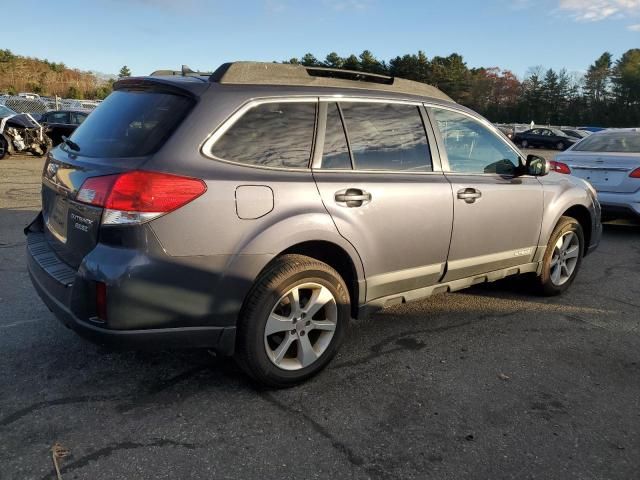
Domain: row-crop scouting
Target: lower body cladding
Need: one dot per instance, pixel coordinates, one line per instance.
(150, 302)
(620, 205)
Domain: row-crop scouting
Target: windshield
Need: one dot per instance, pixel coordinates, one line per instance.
(131, 124)
(6, 111)
(619, 142)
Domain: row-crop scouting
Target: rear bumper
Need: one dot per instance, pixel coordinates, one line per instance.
(220, 339)
(620, 204)
(141, 319)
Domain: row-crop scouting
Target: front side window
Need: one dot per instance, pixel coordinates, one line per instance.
(387, 137)
(473, 148)
(58, 117)
(270, 135)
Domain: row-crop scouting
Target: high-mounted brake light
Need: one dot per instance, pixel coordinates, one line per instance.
(560, 167)
(635, 173)
(139, 196)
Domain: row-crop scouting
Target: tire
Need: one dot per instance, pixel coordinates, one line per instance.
(4, 147)
(524, 144)
(560, 146)
(555, 279)
(299, 346)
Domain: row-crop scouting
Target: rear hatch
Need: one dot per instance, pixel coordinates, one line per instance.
(119, 136)
(607, 172)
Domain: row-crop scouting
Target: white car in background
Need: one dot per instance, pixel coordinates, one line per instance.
(610, 161)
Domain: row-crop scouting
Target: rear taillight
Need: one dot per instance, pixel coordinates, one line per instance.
(139, 196)
(560, 167)
(635, 173)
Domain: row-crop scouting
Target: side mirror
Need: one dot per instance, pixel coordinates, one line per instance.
(537, 166)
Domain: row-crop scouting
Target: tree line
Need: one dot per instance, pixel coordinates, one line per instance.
(608, 94)
(25, 74)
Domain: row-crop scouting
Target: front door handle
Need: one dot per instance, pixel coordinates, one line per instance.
(469, 195)
(352, 197)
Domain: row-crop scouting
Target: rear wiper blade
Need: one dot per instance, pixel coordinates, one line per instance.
(72, 145)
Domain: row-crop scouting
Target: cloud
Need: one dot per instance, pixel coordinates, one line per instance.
(597, 10)
(634, 28)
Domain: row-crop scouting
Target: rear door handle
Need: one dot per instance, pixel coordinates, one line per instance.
(352, 197)
(469, 195)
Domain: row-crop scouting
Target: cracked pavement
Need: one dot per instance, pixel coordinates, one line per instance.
(486, 383)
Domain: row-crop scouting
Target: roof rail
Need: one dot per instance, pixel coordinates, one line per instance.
(262, 73)
(184, 72)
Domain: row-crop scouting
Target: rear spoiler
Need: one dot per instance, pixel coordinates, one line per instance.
(162, 84)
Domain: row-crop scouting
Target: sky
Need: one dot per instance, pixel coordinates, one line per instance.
(146, 35)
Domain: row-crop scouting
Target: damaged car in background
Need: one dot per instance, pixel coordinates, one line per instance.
(21, 133)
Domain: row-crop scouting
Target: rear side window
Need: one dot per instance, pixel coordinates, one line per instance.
(270, 135)
(131, 124)
(387, 137)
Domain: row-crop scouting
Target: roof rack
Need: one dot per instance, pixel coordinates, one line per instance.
(260, 73)
(184, 72)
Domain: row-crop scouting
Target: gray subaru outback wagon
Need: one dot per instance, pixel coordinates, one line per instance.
(255, 210)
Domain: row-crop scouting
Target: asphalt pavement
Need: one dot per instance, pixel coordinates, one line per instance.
(487, 383)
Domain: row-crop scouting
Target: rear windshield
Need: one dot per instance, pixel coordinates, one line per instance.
(130, 124)
(619, 142)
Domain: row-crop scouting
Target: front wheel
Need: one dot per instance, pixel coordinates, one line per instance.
(560, 146)
(563, 257)
(524, 144)
(4, 147)
(293, 321)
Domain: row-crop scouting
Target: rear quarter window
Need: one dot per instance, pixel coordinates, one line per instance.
(270, 135)
(131, 124)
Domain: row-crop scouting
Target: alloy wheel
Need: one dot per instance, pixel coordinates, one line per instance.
(300, 326)
(566, 253)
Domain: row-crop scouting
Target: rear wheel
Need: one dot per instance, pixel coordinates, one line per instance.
(563, 257)
(524, 144)
(560, 146)
(293, 321)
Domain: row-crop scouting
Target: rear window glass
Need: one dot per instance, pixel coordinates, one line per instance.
(131, 124)
(619, 142)
(270, 135)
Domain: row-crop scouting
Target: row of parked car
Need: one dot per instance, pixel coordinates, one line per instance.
(36, 133)
(551, 138)
(609, 159)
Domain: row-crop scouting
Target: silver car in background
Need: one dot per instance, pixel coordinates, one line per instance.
(610, 161)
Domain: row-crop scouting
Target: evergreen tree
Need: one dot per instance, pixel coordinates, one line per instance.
(124, 72)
